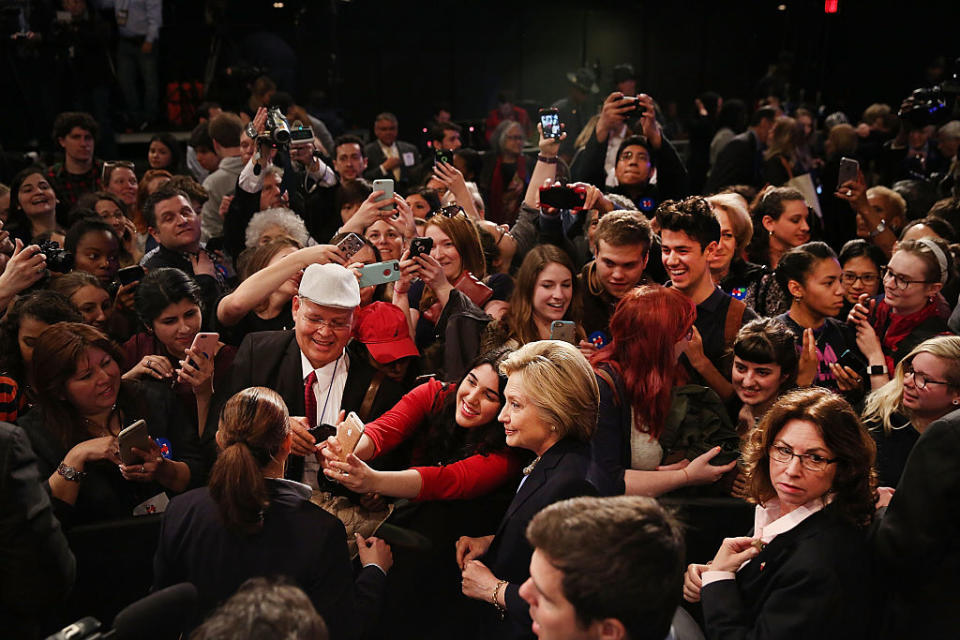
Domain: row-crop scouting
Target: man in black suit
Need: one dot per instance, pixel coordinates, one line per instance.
(574, 591)
(388, 157)
(917, 542)
(740, 160)
(313, 366)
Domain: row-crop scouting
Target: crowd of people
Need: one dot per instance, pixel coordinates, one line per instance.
(538, 338)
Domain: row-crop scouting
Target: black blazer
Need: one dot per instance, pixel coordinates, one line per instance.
(810, 582)
(299, 540)
(562, 472)
(737, 163)
(917, 541)
(272, 359)
(375, 158)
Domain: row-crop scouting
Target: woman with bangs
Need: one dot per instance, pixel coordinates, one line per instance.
(805, 570)
(764, 367)
(638, 371)
(547, 289)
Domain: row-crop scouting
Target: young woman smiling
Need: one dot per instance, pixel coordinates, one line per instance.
(546, 290)
(169, 306)
(781, 222)
(764, 366)
(925, 387)
(33, 205)
(811, 275)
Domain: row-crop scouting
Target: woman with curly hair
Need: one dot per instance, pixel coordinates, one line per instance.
(804, 572)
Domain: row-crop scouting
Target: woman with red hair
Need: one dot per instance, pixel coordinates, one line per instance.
(640, 378)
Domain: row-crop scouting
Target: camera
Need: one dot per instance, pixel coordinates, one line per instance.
(59, 260)
(277, 129)
(933, 105)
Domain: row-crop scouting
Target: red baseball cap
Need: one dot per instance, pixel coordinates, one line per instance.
(382, 328)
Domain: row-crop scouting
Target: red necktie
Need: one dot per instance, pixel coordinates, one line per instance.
(310, 399)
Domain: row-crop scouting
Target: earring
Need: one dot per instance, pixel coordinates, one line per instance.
(770, 233)
(956, 401)
(554, 429)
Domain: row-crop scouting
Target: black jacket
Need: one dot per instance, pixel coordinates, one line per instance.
(299, 540)
(272, 359)
(738, 162)
(564, 471)
(813, 581)
(917, 541)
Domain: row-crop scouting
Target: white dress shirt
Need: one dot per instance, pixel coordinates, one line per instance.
(328, 389)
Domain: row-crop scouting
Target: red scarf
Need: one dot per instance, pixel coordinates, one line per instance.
(893, 327)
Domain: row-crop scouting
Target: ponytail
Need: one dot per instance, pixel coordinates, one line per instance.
(253, 428)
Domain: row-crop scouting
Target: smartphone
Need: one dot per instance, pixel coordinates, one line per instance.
(379, 273)
(550, 123)
(206, 343)
(849, 170)
(303, 135)
(638, 109)
(321, 432)
(724, 457)
(852, 359)
(349, 432)
(133, 436)
(560, 197)
(385, 185)
(443, 155)
(420, 246)
(564, 330)
(130, 274)
(350, 245)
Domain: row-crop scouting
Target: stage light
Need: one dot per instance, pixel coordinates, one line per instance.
(830, 6)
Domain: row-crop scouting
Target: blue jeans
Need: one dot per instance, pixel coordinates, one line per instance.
(131, 62)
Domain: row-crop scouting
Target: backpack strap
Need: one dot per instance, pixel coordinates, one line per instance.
(733, 321)
(367, 404)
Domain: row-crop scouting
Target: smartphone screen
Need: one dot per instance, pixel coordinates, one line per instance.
(849, 170)
(550, 123)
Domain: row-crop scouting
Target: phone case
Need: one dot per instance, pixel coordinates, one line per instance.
(379, 273)
(563, 330)
(385, 185)
(130, 274)
(468, 285)
(348, 433)
(133, 436)
(206, 343)
(350, 245)
(420, 246)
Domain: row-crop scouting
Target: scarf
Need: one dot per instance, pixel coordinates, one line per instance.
(895, 327)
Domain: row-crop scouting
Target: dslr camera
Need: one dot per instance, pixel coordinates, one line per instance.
(59, 260)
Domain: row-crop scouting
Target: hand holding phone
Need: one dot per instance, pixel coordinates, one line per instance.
(550, 123)
(420, 246)
(379, 273)
(564, 330)
(385, 185)
(134, 436)
(348, 434)
(849, 171)
(350, 245)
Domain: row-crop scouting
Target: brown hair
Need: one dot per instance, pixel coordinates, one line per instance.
(144, 184)
(55, 358)
(519, 319)
(621, 228)
(854, 485)
(466, 239)
(253, 428)
(260, 257)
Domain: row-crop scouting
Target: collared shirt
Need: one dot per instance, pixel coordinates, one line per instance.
(767, 525)
(328, 390)
(70, 186)
(137, 18)
(391, 152)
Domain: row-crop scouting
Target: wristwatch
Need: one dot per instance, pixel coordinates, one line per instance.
(71, 474)
(251, 131)
(877, 370)
(880, 228)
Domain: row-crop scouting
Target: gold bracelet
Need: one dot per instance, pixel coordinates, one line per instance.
(501, 610)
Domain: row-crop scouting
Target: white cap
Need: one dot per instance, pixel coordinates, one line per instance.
(330, 285)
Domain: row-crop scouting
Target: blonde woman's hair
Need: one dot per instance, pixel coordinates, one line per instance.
(735, 206)
(888, 399)
(559, 382)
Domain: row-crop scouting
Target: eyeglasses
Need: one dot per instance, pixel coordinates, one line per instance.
(108, 167)
(515, 137)
(850, 278)
(920, 380)
(811, 461)
(449, 211)
(899, 282)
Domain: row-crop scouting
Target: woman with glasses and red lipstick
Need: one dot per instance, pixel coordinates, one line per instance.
(805, 571)
(925, 387)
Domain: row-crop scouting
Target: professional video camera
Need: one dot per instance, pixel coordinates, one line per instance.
(277, 129)
(933, 105)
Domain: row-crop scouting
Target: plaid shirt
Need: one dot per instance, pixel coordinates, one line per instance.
(70, 187)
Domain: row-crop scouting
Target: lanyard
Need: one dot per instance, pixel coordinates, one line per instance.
(329, 389)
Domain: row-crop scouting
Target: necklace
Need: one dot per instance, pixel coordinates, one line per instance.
(527, 469)
(96, 428)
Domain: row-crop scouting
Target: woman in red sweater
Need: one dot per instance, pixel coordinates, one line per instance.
(458, 447)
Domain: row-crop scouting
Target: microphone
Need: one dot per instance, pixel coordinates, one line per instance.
(162, 614)
(78, 630)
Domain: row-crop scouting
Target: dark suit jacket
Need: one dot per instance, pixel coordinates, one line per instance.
(561, 473)
(810, 582)
(737, 163)
(917, 541)
(298, 540)
(37, 567)
(272, 359)
(375, 158)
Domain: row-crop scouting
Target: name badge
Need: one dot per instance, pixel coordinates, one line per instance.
(408, 159)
